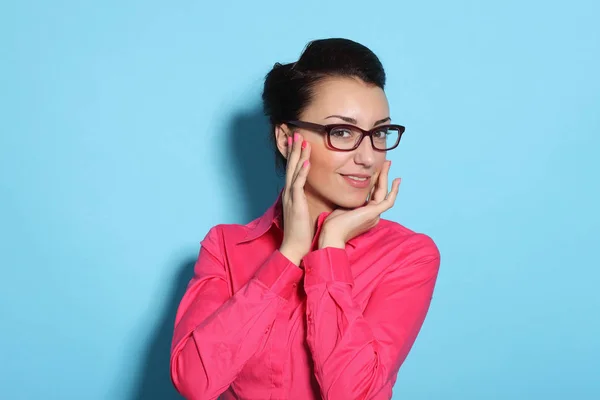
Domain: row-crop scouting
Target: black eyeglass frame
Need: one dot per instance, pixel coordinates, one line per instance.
(328, 128)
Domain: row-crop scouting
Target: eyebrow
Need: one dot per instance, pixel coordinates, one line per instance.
(355, 122)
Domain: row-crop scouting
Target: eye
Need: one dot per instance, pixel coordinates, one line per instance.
(380, 134)
(341, 133)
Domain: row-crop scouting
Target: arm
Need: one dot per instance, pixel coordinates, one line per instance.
(357, 355)
(216, 332)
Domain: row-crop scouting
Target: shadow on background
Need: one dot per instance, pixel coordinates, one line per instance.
(254, 162)
(251, 155)
(155, 381)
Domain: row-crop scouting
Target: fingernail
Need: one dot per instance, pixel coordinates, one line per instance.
(305, 163)
(296, 136)
(304, 144)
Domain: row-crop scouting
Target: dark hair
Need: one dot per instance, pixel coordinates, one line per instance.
(289, 88)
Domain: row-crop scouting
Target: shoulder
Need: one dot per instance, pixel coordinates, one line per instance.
(407, 243)
(221, 235)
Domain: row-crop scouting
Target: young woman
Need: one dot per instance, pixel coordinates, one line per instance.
(319, 297)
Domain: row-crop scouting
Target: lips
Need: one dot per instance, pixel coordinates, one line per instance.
(360, 181)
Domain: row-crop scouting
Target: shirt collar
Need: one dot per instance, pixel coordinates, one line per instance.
(274, 215)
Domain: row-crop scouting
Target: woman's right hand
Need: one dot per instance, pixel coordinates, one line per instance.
(298, 231)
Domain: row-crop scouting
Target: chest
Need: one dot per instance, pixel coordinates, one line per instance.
(283, 363)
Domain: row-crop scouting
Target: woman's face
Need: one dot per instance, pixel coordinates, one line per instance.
(344, 101)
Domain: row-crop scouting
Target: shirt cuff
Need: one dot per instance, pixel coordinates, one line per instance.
(279, 274)
(329, 264)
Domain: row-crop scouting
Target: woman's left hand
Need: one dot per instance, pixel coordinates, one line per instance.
(342, 225)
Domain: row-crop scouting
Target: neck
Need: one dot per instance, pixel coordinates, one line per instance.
(317, 204)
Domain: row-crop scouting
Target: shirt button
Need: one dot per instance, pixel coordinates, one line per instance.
(308, 270)
(294, 284)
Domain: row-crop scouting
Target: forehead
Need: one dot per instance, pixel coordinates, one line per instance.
(349, 97)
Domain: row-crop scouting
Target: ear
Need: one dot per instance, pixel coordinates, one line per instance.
(282, 132)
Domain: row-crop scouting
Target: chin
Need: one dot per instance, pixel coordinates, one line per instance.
(338, 196)
(348, 199)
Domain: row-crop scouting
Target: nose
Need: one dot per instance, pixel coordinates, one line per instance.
(365, 154)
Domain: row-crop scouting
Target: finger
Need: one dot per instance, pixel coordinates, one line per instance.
(304, 155)
(293, 159)
(382, 183)
(298, 185)
(395, 187)
(288, 152)
(287, 158)
(373, 190)
(392, 195)
(370, 199)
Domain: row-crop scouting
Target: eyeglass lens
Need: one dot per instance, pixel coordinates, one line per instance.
(344, 138)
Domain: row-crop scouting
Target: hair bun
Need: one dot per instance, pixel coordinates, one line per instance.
(282, 71)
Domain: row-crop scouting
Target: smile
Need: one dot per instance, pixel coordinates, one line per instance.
(360, 182)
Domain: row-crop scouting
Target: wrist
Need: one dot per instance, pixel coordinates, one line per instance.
(329, 241)
(291, 255)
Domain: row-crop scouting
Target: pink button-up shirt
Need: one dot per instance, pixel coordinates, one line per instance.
(253, 325)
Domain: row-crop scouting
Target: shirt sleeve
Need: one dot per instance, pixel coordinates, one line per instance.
(357, 354)
(216, 332)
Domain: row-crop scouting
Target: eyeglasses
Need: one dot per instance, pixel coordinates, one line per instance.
(344, 137)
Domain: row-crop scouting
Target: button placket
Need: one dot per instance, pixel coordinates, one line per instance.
(278, 351)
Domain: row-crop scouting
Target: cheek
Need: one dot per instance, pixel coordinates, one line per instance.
(326, 162)
(379, 164)
(380, 161)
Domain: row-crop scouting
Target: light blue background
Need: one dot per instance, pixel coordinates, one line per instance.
(128, 129)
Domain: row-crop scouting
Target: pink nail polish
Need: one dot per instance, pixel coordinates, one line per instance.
(305, 163)
(304, 144)
(296, 136)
